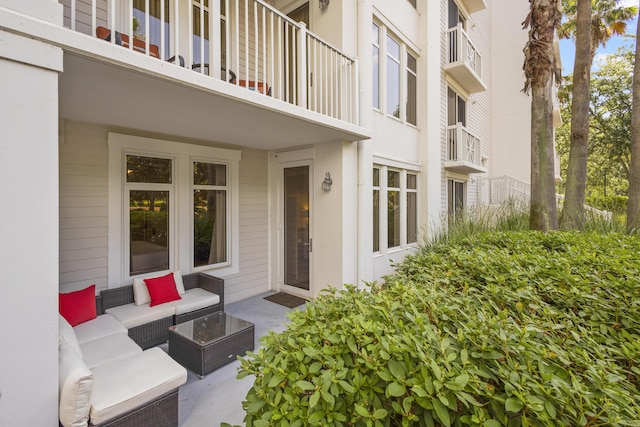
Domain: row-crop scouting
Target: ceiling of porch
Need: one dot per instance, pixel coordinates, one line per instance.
(164, 99)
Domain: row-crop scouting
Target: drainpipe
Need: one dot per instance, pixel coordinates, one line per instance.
(365, 180)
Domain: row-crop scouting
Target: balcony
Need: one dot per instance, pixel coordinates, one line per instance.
(463, 151)
(464, 62)
(239, 67)
(473, 6)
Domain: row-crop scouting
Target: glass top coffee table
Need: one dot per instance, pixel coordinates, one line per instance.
(207, 343)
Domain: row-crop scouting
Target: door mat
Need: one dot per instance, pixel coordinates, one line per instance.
(287, 300)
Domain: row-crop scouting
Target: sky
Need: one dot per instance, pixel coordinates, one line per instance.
(567, 47)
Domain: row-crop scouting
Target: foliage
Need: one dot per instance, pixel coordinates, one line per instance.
(501, 329)
(616, 204)
(610, 126)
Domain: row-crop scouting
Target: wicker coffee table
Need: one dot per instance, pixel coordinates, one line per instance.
(207, 343)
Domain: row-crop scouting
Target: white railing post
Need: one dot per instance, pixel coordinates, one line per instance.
(302, 65)
(73, 15)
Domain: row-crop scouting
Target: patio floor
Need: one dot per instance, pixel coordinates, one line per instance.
(218, 396)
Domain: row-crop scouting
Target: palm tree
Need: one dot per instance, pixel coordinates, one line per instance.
(591, 23)
(608, 19)
(540, 68)
(633, 207)
(573, 211)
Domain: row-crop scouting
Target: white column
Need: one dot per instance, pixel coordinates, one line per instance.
(29, 231)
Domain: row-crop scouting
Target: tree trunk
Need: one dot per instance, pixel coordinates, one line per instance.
(573, 211)
(539, 68)
(542, 211)
(633, 207)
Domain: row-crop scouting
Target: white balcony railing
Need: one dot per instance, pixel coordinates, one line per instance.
(258, 47)
(461, 48)
(464, 61)
(463, 146)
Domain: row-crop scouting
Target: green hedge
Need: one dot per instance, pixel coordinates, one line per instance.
(503, 329)
(616, 204)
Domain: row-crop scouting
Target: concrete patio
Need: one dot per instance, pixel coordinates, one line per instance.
(218, 396)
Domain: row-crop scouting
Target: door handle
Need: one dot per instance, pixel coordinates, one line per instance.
(310, 244)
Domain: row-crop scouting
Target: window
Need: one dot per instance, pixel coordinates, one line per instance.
(376, 66)
(149, 186)
(412, 89)
(412, 208)
(376, 209)
(209, 213)
(200, 31)
(455, 196)
(157, 18)
(395, 210)
(393, 77)
(171, 207)
(455, 16)
(456, 109)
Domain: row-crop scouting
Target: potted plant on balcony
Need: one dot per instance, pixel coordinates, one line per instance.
(135, 24)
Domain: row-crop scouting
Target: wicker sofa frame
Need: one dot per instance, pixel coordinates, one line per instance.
(157, 332)
(162, 411)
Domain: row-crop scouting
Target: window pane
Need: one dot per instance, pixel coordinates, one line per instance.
(393, 77)
(411, 90)
(209, 227)
(412, 181)
(412, 217)
(393, 179)
(393, 225)
(153, 33)
(209, 174)
(376, 220)
(376, 177)
(148, 169)
(376, 66)
(198, 34)
(148, 231)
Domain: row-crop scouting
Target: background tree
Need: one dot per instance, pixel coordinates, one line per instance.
(573, 211)
(540, 68)
(633, 206)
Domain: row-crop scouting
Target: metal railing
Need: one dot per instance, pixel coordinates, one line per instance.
(462, 145)
(461, 48)
(257, 47)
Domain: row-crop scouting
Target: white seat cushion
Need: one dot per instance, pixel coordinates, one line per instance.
(195, 299)
(75, 382)
(102, 326)
(65, 330)
(131, 315)
(109, 349)
(131, 383)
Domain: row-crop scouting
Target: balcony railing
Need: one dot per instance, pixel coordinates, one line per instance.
(246, 42)
(464, 61)
(463, 150)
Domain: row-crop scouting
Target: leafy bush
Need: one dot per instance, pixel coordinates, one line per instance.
(503, 329)
(616, 204)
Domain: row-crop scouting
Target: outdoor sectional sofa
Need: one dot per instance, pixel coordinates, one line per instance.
(149, 326)
(109, 375)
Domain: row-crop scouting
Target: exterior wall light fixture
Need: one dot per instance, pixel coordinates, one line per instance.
(326, 184)
(323, 4)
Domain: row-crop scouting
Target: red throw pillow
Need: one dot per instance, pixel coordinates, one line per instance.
(78, 306)
(162, 289)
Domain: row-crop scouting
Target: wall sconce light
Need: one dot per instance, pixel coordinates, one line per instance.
(323, 4)
(326, 184)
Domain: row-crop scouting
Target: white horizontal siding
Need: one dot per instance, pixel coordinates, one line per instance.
(253, 277)
(83, 207)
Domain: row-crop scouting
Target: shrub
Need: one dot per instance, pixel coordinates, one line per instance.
(503, 329)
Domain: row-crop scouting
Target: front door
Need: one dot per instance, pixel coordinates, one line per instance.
(297, 242)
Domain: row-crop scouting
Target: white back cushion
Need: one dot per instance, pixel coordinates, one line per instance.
(65, 330)
(75, 382)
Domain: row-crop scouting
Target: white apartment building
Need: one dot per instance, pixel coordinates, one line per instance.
(281, 145)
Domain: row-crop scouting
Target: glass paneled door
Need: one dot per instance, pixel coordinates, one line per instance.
(297, 237)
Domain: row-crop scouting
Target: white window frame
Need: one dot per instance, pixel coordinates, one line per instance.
(384, 32)
(181, 255)
(384, 165)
